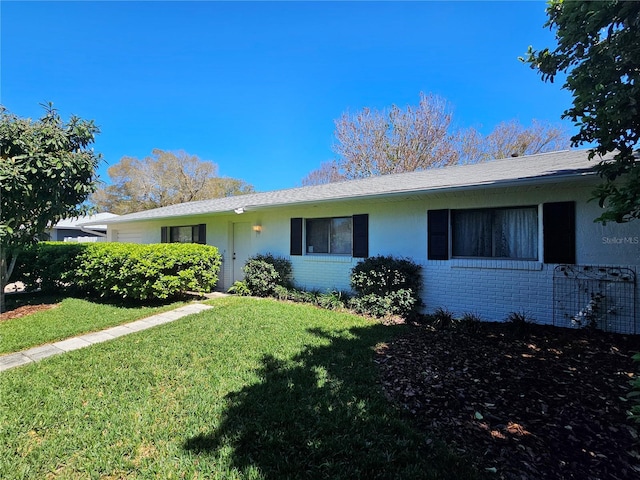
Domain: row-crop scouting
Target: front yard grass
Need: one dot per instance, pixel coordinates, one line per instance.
(251, 389)
(72, 316)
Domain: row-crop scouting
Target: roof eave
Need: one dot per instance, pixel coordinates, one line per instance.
(587, 175)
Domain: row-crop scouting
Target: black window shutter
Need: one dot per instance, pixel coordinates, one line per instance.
(559, 232)
(296, 236)
(361, 235)
(164, 234)
(438, 234)
(202, 233)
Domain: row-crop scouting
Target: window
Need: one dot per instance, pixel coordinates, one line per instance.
(495, 233)
(184, 234)
(329, 235)
(336, 236)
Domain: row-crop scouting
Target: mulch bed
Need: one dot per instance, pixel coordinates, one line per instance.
(25, 310)
(535, 402)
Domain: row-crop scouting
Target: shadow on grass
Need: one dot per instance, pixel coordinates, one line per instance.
(14, 300)
(321, 415)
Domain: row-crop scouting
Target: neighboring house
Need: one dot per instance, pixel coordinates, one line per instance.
(73, 229)
(511, 235)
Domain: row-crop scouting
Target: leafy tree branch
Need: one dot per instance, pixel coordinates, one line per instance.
(598, 48)
(47, 172)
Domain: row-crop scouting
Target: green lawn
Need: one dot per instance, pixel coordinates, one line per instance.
(252, 389)
(72, 317)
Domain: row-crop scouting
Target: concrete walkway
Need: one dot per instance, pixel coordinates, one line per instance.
(34, 354)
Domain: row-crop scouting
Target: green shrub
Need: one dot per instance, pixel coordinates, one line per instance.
(283, 293)
(294, 295)
(48, 266)
(332, 300)
(399, 303)
(441, 319)
(386, 286)
(124, 270)
(239, 288)
(141, 272)
(263, 273)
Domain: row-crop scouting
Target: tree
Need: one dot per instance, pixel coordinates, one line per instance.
(47, 172)
(599, 51)
(329, 172)
(396, 140)
(164, 178)
(511, 139)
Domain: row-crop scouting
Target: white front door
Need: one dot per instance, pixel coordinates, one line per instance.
(241, 247)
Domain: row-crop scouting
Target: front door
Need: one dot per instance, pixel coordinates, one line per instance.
(241, 247)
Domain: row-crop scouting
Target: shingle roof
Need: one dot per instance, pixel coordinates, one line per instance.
(95, 220)
(555, 166)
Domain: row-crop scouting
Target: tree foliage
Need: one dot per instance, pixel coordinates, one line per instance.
(373, 142)
(510, 139)
(395, 140)
(599, 51)
(161, 179)
(47, 172)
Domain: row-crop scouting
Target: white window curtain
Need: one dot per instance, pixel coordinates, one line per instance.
(341, 236)
(497, 233)
(472, 234)
(516, 233)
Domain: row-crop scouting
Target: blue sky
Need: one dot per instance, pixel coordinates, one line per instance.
(256, 86)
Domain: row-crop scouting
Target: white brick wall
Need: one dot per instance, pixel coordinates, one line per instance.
(487, 289)
(322, 272)
(493, 293)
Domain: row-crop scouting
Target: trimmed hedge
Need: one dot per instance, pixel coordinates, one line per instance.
(123, 270)
(48, 266)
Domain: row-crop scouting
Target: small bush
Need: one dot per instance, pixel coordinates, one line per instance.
(520, 322)
(470, 322)
(398, 303)
(386, 286)
(332, 300)
(282, 293)
(239, 288)
(280, 264)
(519, 318)
(294, 295)
(263, 273)
(442, 319)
